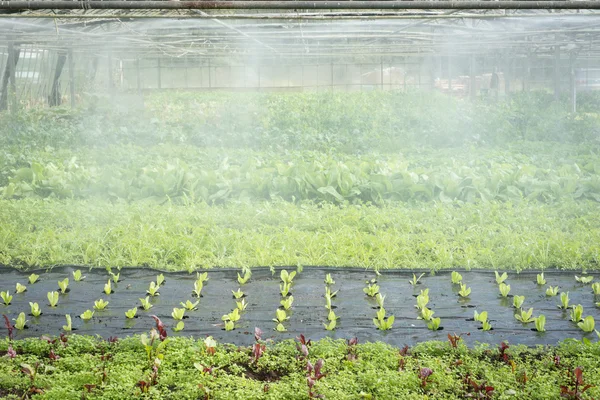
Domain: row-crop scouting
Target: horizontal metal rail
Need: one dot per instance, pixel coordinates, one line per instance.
(17, 5)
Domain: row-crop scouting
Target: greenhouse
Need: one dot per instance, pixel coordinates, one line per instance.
(294, 200)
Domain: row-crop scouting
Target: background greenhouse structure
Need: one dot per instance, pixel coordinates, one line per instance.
(403, 194)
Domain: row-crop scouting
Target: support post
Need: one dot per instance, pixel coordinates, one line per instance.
(71, 78)
(14, 53)
(507, 74)
(55, 98)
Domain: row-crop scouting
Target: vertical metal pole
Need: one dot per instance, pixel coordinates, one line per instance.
(472, 79)
(556, 72)
(71, 77)
(159, 73)
(12, 65)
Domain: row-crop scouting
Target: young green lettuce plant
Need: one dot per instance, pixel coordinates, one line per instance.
(87, 315)
(380, 299)
(584, 279)
(587, 325)
(381, 322)
(480, 317)
(280, 316)
(284, 289)
(456, 278)
(434, 324)
(160, 279)
(287, 302)
(464, 291)
(68, 327)
(332, 321)
(552, 291)
(518, 301)
(371, 290)
(329, 293)
(146, 303)
(241, 304)
(20, 288)
(576, 313)
(63, 285)
(35, 309)
(77, 276)
(422, 299)
(178, 313)
(188, 305)
(596, 288)
(6, 297)
(500, 278)
(198, 285)
(540, 279)
(238, 294)
(33, 278)
(153, 289)
(20, 321)
(415, 280)
(564, 301)
(504, 289)
(540, 323)
(525, 316)
(107, 288)
(130, 314)
(100, 304)
(246, 277)
(202, 277)
(287, 277)
(486, 326)
(426, 314)
(52, 298)
(179, 327)
(329, 280)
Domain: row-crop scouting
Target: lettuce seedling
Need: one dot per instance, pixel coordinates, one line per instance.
(584, 279)
(280, 316)
(280, 328)
(380, 298)
(238, 294)
(287, 277)
(330, 326)
(68, 326)
(20, 321)
(52, 298)
(564, 300)
(6, 297)
(160, 279)
(100, 304)
(77, 276)
(287, 302)
(328, 303)
(33, 278)
(284, 289)
(108, 288)
(552, 291)
(198, 285)
(596, 288)
(381, 322)
(576, 313)
(243, 279)
(131, 313)
(241, 305)
(426, 314)
(500, 278)
(146, 303)
(456, 278)
(202, 277)
(153, 289)
(331, 316)
(434, 324)
(229, 325)
(20, 288)
(422, 299)
(87, 315)
(232, 316)
(329, 280)
(415, 280)
(464, 290)
(481, 317)
(504, 289)
(329, 293)
(371, 290)
(540, 279)
(188, 305)
(35, 309)
(486, 326)
(178, 313)
(179, 327)
(63, 285)
(587, 325)
(540, 323)
(525, 316)
(518, 301)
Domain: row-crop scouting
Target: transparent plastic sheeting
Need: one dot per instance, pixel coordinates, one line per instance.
(308, 313)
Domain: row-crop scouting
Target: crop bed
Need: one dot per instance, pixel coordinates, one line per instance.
(307, 315)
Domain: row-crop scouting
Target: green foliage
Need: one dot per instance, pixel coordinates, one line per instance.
(456, 278)
(540, 279)
(100, 304)
(504, 289)
(371, 290)
(552, 291)
(584, 279)
(33, 278)
(287, 302)
(500, 278)
(464, 290)
(188, 305)
(286, 277)
(381, 322)
(130, 314)
(20, 321)
(146, 305)
(329, 280)
(63, 285)
(576, 313)
(481, 317)
(540, 323)
(178, 313)
(87, 315)
(107, 288)
(587, 325)
(20, 288)
(243, 279)
(52, 298)
(434, 324)
(35, 309)
(153, 289)
(525, 316)
(179, 327)
(518, 301)
(6, 297)
(415, 279)
(68, 326)
(77, 276)
(564, 300)
(596, 288)
(238, 294)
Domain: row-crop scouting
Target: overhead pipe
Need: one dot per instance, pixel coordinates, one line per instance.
(17, 5)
